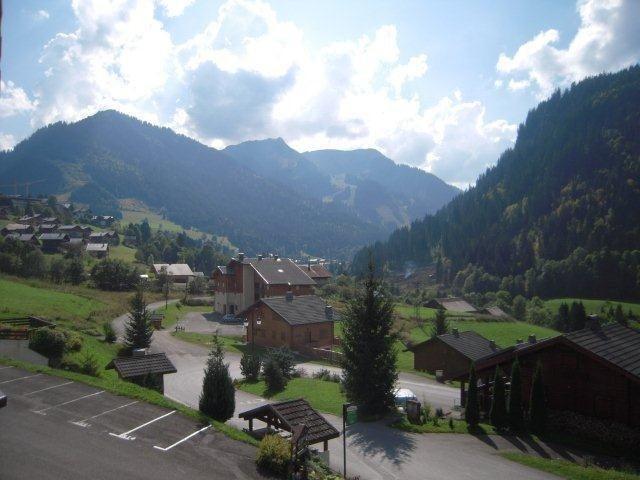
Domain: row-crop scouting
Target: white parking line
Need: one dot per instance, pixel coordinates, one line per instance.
(83, 422)
(164, 449)
(48, 388)
(41, 412)
(21, 378)
(126, 436)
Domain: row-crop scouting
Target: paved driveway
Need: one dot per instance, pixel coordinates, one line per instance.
(374, 450)
(57, 429)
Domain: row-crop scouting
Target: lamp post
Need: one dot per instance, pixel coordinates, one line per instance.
(254, 322)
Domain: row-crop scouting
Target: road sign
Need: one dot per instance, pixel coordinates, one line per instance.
(351, 416)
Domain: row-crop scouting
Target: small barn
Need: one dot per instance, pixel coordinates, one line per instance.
(144, 369)
(452, 304)
(98, 250)
(53, 242)
(452, 353)
(18, 228)
(178, 272)
(28, 238)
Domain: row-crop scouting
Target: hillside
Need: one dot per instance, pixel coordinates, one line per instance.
(362, 182)
(558, 215)
(109, 156)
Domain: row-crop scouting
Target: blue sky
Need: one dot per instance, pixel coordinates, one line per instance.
(440, 85)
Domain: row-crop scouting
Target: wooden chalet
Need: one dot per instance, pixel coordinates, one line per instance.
(452, 304)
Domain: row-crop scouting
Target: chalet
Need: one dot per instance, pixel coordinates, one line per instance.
(48, 228)
(178, 272)
(130, 240)
(53, 242)
(109, 237)
(103, 220)
(98, 250)
(244, 281)
(451, 354)
(300, 323)
(16, 228)
(317, 272)
(594, 372)
(34, 220)
(494, 311)
(50, 220)
(28, 238)
(145, 369)
(75, 231)
(452, 304)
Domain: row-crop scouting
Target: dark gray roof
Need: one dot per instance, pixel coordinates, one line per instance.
(470, 344)
(23, 237)
(302, 310)
(297, 412)
(280, 271)
(128, 367)
(223, 269)
(614, 343)
(54, 236)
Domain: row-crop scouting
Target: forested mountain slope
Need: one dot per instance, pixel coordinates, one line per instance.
(110, 156)
(558, 214)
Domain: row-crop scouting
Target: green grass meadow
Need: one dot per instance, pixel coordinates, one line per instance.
(569, 470)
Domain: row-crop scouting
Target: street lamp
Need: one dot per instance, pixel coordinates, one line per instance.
(254, 322)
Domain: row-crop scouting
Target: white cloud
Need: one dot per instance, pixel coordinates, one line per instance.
(7, 141)
(13, 100)
(608, 39)
(498, 83)
(42, 15)
(518, 84)
(175, 8)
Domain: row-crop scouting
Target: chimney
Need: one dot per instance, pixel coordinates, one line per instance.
(309, 265)
(139, 352)
(455, 332)
(532, 338)
(275, 257)
(492, 344)
(260, 257)
(289, 296)
(328, 312)
(593, 322)
(240, 257)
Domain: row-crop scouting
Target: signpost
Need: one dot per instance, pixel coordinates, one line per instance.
(349, 417)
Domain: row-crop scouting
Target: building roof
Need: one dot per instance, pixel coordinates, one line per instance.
(109, 233)
(16, 227)
(71, 227)
(496, 311)
(280, 271)
(48, 226)
(23, 237)
(223, 269)
(301, 310)
(53, 237)
(470, 344)
(613, 343)
(97, 247)
(174, 269)
(295, 412)
(455, 304)
(128, 367)
(316, 271)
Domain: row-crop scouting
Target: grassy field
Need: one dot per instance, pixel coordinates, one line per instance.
(176, 311)
(322, 395)
(124, 253)
(407, 311)
(593, 306)
(568, 470)
(442, 426)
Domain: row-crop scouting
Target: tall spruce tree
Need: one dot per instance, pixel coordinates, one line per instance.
(472, 407)
(538, 403)
(369, 355)
(498, 412)
(218, 395)
(577, 316)
(516, 418)
(138, 330)
(440, 324)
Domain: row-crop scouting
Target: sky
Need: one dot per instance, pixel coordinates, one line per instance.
(440, 85)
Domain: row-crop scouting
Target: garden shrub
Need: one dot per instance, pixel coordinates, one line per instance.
(283, 357)
(89, 365)
(48, 342)
(73, 341)
(250, 366)
(273, 376)
(274, 455)
(109, 333)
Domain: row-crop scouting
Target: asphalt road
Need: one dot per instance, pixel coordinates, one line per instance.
(374, 450)
(52, 428)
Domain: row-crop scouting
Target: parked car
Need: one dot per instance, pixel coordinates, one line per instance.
(3, 399)
(229, 318)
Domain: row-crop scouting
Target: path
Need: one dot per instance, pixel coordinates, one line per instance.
(374, 450)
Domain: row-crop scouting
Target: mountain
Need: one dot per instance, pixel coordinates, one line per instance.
(559, 214)
(363, 182)
(110, 156)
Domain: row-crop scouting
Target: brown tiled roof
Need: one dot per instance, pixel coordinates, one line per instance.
(455, 304)
(316, 271)
(128, 367)
(301, 310)
(297, 412)
(470, 344)
(280, 271)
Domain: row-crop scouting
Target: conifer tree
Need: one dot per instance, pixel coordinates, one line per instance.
(369, 360)
(217, 399)
(516, 420)
(472, 408)
(498, 412)
(440, 324)
(138, 330)
(538, 403)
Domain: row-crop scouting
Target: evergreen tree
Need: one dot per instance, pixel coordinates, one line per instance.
(138, 330)
(516, 420)
(75, 271)
(577, 316)
(619, 316)
(562, 318)
(273, 376)
(472, 407)
(498, 412)
(519, 307)
(218, 395)
(538, 403)
(369, 355)
(440, 324)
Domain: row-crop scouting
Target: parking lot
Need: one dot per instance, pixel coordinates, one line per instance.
(55, 428)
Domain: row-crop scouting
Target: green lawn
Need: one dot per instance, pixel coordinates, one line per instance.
(124, 253)
(322, 395)
(442, 426)
(593, 306)
(19, 299)
(407, 311)
(568, 470)
(174, 312)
